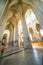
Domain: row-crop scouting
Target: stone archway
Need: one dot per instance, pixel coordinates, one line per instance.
(6, 36)
(10, 27)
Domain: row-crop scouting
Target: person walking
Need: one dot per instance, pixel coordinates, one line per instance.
(3, 44)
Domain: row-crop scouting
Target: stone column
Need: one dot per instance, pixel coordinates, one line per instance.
(11, 37)
(16, 34)
(26, 38)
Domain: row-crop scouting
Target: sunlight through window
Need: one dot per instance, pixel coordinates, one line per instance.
(8, 33)
(20, 32)
(19, 27)
(41, 32)
(30, 20)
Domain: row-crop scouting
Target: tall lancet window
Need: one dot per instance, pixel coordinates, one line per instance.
(31, 21)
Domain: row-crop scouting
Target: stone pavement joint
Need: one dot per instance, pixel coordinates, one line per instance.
(13, 51)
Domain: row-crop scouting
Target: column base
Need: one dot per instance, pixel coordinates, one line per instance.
(28, 46)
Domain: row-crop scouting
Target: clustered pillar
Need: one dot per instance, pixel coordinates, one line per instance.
(25, 35)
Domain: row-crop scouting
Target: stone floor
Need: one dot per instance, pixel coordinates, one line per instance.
(26, 57)
(11, 50)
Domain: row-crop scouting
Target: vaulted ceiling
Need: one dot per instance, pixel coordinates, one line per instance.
(37, 4)
(6, 6)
